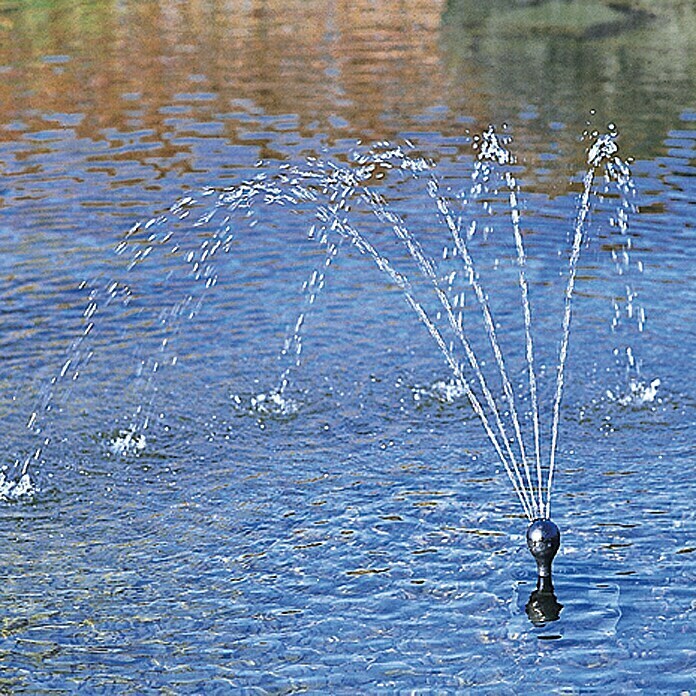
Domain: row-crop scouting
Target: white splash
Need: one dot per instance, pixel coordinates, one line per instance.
(444, 391)
(127, 442)
(13, 490)
(639, 394)
(273, 403)
(603, 149)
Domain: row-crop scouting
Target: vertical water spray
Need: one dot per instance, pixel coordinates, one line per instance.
(492, 150)
(384, 265)
(602, 151)
(427, 268)
(311, 289)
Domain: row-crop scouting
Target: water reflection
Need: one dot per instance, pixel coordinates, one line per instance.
(357, 70)
(543, 62)
(336, 67)
(543, 607)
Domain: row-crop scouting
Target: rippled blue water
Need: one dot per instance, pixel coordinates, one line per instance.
(365, 538)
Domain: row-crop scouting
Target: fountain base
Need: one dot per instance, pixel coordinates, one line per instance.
(543, 540)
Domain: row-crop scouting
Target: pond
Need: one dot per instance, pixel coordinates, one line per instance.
(236, 460)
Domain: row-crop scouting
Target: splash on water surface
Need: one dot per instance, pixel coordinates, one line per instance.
(444, 391)
(639, 394)
(127, 442)
(22, 488)
(272, 403)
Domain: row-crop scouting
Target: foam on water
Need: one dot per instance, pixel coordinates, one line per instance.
(273, 403)
(265, 404)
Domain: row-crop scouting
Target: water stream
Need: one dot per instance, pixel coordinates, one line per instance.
(331, 190)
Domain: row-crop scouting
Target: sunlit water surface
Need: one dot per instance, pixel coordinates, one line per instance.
(359, 534)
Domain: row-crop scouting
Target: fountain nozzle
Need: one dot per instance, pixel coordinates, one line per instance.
(543, 540)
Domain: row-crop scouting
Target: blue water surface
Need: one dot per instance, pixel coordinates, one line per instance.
(187, 531)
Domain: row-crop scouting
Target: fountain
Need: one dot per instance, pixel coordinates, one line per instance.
(330, 190)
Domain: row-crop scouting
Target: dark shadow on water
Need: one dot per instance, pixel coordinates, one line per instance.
(543, 607)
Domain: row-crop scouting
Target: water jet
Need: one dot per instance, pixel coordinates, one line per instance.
(334, 196)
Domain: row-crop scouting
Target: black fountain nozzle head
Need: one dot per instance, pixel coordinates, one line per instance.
(543, 540)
